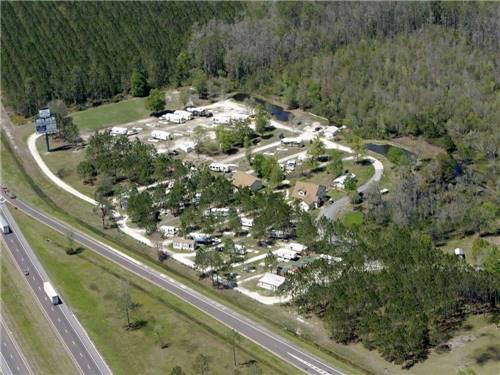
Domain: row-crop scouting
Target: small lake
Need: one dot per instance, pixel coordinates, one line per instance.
(384, 149)
(275, 110)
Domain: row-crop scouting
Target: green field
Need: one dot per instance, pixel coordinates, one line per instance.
(91, 285)
(353, 218)
(111, 114)
(39, 344)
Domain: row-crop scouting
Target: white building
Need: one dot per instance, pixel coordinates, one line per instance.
(161, 135)
(185, 244)
(286, 254)
(271, 281)
(297, 247)
(331, 131)
(117, 130)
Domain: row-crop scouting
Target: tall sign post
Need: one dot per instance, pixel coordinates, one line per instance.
(46, 123)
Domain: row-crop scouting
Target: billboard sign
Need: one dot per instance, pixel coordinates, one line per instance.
(45, 122)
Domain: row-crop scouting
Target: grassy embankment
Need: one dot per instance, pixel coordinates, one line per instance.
(92, 286)
(40, 345)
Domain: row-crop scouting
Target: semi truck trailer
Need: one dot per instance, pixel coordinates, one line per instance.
(5, 225)
(51, 292)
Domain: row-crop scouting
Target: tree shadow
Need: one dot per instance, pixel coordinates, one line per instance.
(138, 324)
(492, 353)
(61, 148)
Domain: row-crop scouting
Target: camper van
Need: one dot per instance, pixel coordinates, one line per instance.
(221, 120)
(161, 135)
(176, 119)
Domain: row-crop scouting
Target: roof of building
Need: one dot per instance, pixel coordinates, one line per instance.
(306, 191)
(272, 279)
(242, 179)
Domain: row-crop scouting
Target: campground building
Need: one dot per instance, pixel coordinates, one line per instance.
(271, 281)
(310, 194)
(245, 180)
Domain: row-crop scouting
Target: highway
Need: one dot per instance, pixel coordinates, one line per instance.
(12, 359)
(267, 339)
(65, 324)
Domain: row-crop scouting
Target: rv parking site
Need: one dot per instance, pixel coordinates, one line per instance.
(287, 142)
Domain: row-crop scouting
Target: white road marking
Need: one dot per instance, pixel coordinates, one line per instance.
(311, 366)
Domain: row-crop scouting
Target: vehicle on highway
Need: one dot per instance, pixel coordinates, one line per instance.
(26, 272)
(51, 292)
(5, 225)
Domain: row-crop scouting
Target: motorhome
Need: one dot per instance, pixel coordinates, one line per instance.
(292, 142)
(219, 167)
(184, 115)
(161, 135)
(117, 130)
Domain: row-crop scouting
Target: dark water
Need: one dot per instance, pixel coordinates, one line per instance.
(384, 149)
(275, 110)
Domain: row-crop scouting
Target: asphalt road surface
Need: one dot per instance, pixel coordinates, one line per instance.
(271, 341)
(65, 324)
(12, 359)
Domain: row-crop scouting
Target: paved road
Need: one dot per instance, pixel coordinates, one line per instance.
(287, 351)
(65, 324)
(12, 359)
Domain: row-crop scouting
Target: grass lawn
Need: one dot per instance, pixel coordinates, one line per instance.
(111, 114)
(63, 163)
(39, 344)
(92, 286)
(353, 218)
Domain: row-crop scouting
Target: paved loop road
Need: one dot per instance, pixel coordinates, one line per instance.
(282, 348)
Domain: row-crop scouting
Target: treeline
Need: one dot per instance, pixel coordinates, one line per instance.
(391, 290)
(383, 69)
(86, 51)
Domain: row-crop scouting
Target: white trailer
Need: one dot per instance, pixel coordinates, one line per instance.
(184, 115)
(161, 135)
(5, 225)
(297, 142)
(117, 130)
(247, 222)
(219, 167)
(168, 230)
(222, 120)
(51, 292)
(176, 119)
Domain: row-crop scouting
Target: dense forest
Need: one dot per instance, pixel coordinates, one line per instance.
(86, 51)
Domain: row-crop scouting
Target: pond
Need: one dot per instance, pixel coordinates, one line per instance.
(275, 110)
(385, 148)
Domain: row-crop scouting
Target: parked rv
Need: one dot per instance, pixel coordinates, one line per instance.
(161, 135)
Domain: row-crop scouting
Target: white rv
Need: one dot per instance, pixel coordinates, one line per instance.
(117, 130)
(184, 115)
(297, 142)
(247, 222)
(219, 167)
(221, 120)
(176, 119)
(161, 135)
(168, 230)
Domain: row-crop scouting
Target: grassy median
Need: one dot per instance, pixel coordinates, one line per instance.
(44, 352)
